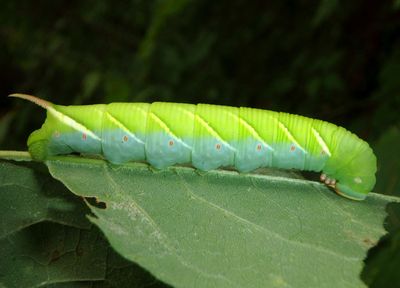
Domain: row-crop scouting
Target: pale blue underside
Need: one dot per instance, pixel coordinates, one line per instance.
(64, 143)
(118, 151)
(162, 150)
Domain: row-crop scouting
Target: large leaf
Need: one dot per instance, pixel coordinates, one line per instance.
(223, 229)
(383, 261)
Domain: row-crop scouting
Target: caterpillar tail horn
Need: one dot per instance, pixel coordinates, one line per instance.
(42, 103)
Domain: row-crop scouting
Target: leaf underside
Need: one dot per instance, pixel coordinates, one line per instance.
(47, 241)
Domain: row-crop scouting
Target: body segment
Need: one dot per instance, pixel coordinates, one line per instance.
(208, 137)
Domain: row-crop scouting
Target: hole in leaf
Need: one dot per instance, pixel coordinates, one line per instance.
(96, 202)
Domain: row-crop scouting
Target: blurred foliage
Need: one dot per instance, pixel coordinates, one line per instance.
(336, 61)
(387, 151)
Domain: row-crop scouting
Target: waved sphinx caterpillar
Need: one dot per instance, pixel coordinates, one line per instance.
(208, 137)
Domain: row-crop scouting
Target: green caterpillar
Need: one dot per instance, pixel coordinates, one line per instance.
(208, 137)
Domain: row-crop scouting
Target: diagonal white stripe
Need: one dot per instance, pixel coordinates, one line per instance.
(213, 132)
(321, 142)
(288, 134)
(254, 133)
(122, 127)
(164, 126)
(72, 123)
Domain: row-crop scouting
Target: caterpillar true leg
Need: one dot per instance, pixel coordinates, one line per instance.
(327, 180)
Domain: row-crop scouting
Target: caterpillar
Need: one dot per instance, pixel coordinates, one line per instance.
(207, 137)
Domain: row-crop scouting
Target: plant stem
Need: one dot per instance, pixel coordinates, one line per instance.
(15, 155)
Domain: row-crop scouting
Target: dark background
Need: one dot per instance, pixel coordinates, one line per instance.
(338, 61)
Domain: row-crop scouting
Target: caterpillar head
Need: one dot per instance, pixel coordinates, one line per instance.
(357, 179)
(353, 165)
(38, 144)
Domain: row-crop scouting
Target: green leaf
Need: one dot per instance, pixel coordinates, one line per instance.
(382, 269)
(30, 195)
(52, 255)
(48, 253)
(122, 273)
(225, 229)
(383, 261)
